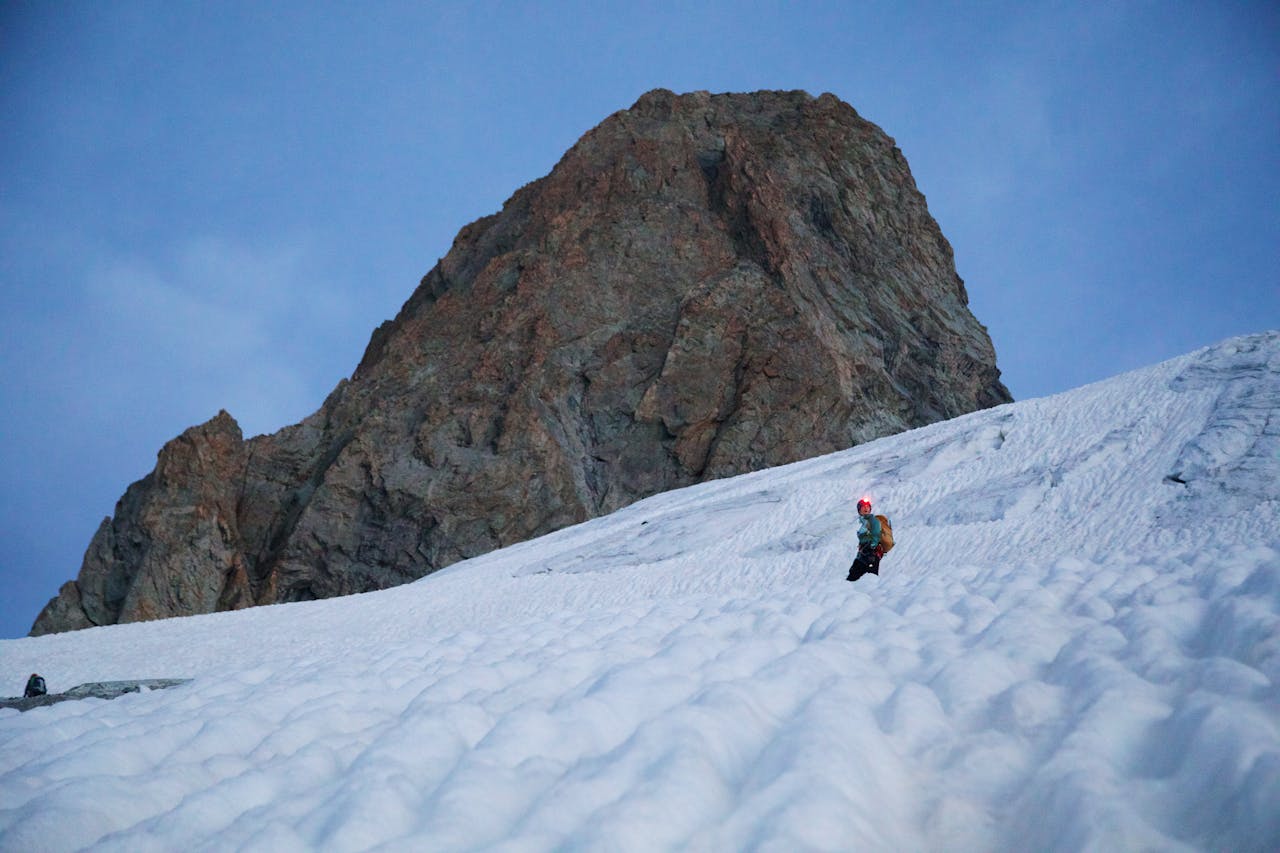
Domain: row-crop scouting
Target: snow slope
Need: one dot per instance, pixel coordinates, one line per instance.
(1074, 646)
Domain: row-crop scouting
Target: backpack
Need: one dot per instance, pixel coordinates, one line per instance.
(35, 687)
(886, 535)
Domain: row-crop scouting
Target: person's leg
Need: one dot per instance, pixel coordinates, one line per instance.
(859, 568)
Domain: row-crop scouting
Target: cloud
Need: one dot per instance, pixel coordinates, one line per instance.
(212, 324)
(108, 355)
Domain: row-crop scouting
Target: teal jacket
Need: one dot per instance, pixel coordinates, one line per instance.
(868, 530)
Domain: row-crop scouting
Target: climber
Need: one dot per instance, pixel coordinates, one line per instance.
(35, 687)
(869, 553)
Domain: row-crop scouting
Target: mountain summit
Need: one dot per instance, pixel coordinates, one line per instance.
(705, 285)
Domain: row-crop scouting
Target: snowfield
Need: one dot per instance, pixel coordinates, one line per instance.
(1074, 646)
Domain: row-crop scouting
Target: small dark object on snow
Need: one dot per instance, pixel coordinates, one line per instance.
(35, 687)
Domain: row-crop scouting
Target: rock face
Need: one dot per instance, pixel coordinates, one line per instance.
(704, 285)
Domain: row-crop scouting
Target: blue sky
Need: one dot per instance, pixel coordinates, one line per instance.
(208, 206)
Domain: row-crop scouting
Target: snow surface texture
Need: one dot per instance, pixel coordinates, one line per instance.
(1074, 646)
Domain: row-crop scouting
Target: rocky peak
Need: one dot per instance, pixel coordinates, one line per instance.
(704, 285)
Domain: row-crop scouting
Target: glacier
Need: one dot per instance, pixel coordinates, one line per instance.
(1074, 646)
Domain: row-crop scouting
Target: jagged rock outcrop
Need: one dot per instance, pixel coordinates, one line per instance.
(704, 285)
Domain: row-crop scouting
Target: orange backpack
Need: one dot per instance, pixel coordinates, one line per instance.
(886, 535)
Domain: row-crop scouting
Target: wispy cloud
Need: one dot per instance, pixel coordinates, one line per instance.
(212, 324)
(109, 355)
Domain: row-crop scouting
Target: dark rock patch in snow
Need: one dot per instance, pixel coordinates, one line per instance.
(93, 690)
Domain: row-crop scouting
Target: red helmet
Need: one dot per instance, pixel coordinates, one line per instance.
(864, 502)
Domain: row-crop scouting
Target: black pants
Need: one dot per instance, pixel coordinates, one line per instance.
(866, 563)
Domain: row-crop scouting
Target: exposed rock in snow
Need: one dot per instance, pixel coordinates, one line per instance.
(94, 690)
